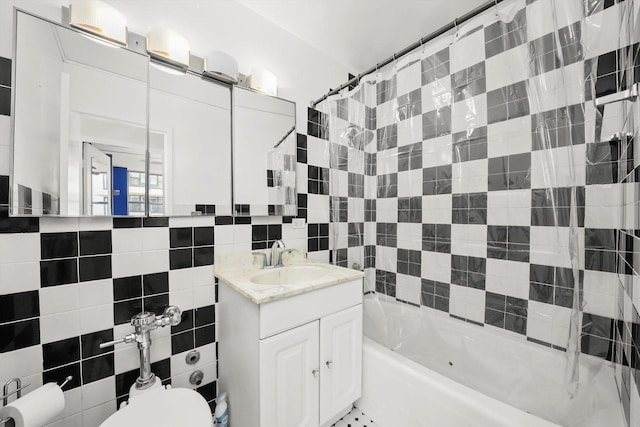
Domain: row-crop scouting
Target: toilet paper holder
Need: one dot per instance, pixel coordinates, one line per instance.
(18, 391)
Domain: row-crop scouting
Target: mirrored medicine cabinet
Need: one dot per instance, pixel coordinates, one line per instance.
(101, 130)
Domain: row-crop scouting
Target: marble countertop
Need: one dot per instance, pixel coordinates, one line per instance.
(237, 272)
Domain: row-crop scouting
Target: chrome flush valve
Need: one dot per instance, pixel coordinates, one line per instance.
(144, 323)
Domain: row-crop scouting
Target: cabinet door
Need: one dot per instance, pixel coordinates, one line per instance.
(340, 361)
(289, 378)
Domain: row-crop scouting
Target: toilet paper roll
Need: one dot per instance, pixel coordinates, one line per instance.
(36, 408)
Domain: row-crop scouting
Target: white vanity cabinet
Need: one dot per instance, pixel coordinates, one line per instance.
(294, 362)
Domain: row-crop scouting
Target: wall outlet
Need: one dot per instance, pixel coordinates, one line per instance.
(297, 222)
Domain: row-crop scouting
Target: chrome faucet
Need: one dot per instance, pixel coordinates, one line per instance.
(278, 244)
(144, 323)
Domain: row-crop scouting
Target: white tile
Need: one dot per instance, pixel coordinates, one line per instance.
(408, 289)
(207, 355)
(465, 53)
(125, 240)
(98, 414)
(409, 131)
(126, 264)
(387, 210)
(97, 318)
(154, 261)
(21, 363)
(595, 39)
(436, 209)
(509, 137)
(155, 238)
(437, 94)
(410, 236)
(19, 277)
(409, 78)
(507, 278)
(507, 68)
(409, 183)
(540, 19)
(59, 299)
(59, 326)
(470, 177)
(437, 151)
(96, 292)
(95, 223)
(58, 225)
(98, 392)
(5, 159)
(386, 258)
(317, 152)
(180, 280)
(387, 113)
(203, 275)
(182, 299)
(126, 358)
(469, 239)
(161, 348)
(469, 114)
(210, 372)
(19, 248)
(204, 295)
(436, 266)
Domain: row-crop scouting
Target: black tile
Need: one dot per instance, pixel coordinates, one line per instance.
(224, 220)
(205, 335)
(58, 272)
(61, 352)
(95, 268)
(5, 72)
(127, 222)
(59, 375)
(163, 221)
(203, 256)
(186, 322)
(205, 315)
(162, 368)
(17, 335)
(208, 391)
(180, 258)
(95, 242)
(182, 342)
(127, 288)
(156, 304)
(203, 236)
(181, 237)
(125, 380)
(123, 311)
(5, 101)
(18, 306)
(157, 283)
(58, 245)
(91, 343)
(97, 368)
(4, 190)
(515, 323)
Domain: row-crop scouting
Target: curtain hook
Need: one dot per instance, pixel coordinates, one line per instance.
(495, 3)
(455, 25)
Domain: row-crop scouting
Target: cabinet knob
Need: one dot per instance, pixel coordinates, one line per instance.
(315, 373)
(329, 364)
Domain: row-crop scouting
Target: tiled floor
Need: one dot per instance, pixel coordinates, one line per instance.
(355, 418)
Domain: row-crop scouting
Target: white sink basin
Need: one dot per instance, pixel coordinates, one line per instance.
(289, 275)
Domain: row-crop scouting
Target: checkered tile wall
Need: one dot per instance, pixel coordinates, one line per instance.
(490, 163)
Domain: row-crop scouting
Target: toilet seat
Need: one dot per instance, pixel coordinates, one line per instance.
(162, 407)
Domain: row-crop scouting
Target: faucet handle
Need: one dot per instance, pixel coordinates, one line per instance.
(264, 258)
(126, 340)
(172, 316)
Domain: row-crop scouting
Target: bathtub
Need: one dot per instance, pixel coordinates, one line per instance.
(422, 368)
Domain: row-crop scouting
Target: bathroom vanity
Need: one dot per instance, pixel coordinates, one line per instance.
(290, 345)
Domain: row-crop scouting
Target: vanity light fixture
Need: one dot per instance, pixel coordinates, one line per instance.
(100, 19)
(168, 46)
(221, 65)
(263, 81)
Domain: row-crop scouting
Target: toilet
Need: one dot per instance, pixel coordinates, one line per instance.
(163, 407)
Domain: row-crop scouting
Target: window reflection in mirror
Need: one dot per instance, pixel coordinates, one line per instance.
(80, 123)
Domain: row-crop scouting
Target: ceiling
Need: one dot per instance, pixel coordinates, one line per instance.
(360, 33)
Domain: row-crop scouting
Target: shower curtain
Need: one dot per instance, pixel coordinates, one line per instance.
(458, 173)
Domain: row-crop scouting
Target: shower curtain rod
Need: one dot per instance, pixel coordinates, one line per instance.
(453, 24)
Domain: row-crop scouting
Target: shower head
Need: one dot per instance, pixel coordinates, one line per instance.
(357, 137)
